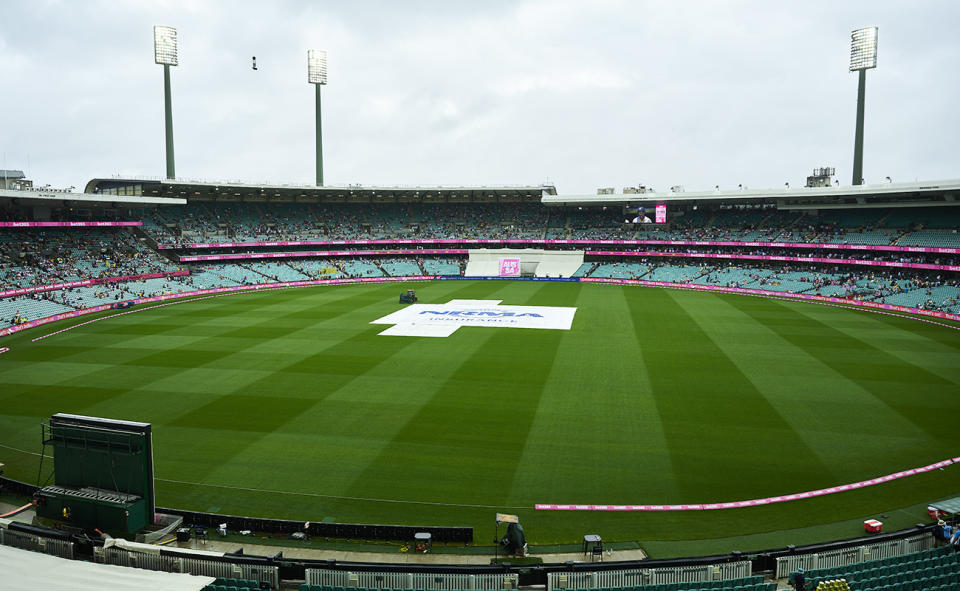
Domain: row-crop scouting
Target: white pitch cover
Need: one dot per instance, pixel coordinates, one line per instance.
(442, 320)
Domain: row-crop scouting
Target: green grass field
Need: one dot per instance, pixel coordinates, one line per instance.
(287, 404)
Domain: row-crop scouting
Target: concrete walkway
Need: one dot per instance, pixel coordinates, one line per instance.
(395, 557)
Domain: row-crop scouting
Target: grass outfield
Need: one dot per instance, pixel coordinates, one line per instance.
(654, 396)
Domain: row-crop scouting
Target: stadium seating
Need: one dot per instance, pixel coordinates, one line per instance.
(441, 267)
(881, 285)
(401, 268)
(620, 271)
(279, 271)
(29, 309)
(584, 269)
(34, 257)
(676, 273)
(318, 268)
(935, 568)
(733, 276)
(249, 222)
(361, 268)
(931, 238)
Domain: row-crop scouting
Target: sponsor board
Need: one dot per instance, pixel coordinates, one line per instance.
(442, 320)
(509, 267)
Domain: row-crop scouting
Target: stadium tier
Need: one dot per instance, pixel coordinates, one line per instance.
(214, 222)
(31, 257)
(905, 257)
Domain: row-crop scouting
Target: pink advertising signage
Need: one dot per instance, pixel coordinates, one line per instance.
(661, 213)
(509, 267)
(757, 257)
(67, 224)
(314, 254)
(520, 241)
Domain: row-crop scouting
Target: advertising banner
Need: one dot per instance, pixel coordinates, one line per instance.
(314, 254)
(509, 267)
(574, 242)
(68, 224)
(661, 213)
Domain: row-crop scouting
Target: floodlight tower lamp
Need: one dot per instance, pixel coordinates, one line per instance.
(165, 53)
(863, 56)
(317, 75)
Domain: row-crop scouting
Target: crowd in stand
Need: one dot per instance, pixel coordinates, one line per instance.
(44, 257)
(252, 222)
(869, 285)
(32, 257)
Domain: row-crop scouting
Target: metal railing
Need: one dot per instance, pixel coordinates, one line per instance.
(25, 541)
(845, 556)
(410, 580)
(648, 576)
(188, 565)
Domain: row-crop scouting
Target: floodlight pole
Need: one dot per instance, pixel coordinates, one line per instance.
(863, 56)
(168, 121)
(165, 54)
(317, 75)
(319, 140)
(858, 137)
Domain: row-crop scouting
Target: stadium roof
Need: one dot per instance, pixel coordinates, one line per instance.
(47, 194)
(233, 191)
(12, 174)
(921, 193)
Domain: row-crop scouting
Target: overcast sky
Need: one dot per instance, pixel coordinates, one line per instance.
(580, 94)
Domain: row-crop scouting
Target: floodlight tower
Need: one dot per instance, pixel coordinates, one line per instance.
(863, 56)
(165, 53)
(317, 75)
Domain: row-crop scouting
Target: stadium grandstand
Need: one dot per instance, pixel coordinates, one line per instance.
(894, 248)
(890, 244)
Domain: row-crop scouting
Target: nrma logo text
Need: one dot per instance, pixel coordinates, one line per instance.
(442, 320)
(486, 313)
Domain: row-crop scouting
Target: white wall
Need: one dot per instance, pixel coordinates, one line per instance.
(485, 262)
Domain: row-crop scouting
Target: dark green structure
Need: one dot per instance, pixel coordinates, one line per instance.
(103, 473)
(319, 141)
(168, 121)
